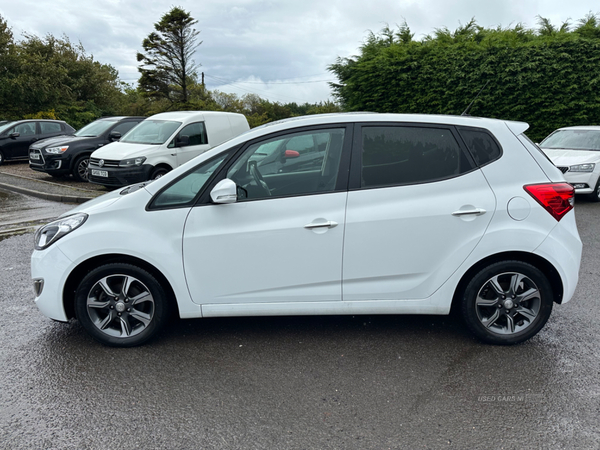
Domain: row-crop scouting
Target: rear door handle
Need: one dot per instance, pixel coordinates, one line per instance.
(328, 224)
(468, 212)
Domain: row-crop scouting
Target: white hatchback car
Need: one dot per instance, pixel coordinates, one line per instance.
(331, 214)
(576, 152)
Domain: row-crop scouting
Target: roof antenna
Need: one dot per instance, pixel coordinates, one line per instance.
(466, 111)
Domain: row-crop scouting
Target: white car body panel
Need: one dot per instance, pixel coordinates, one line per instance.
(394, 249)
(266, 249)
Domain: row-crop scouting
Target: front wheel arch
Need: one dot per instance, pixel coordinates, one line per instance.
(87, 266)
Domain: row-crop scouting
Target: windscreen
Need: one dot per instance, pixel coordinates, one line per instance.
(573, 139)
(95, 128)
(153, 132)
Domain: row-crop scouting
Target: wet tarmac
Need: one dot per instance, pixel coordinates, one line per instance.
(364, 382)
(16, 209)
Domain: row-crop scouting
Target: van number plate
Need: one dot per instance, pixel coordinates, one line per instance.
(99, 173)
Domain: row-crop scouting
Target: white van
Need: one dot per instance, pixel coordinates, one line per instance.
(161, 143)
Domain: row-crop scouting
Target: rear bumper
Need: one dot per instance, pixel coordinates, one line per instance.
(562, 248)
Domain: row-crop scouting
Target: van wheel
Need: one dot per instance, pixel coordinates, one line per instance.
(80, 168)
(507, 302)
(158, 172)
(121, 305)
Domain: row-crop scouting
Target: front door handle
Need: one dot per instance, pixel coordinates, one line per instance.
(328, 224)
(468, 212)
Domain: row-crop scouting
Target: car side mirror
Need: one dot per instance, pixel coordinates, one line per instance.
(14, 135)
(291, 154)
(114, 136)
(224, 192)
(183, 141)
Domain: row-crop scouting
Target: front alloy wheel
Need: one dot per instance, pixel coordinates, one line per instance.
(507, 302)
(121, 305)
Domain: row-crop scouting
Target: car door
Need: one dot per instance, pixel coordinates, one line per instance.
(193, 144)
(281, 241)
(418, 206)
(18, 146)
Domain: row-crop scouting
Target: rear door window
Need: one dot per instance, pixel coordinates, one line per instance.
(398, 155)
(481, 144)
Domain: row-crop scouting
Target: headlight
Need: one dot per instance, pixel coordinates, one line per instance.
(132, 162)
(48, 234)
(582, 168)
(57, 150)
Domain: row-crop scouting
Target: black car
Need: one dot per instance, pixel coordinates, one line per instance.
(66, 155)
(17, 136)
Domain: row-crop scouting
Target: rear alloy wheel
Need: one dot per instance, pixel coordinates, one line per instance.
(80, 168)
(120, 305)
(595, 196)
(507, 302)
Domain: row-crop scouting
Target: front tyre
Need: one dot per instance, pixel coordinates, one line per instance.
(507, 302)
(121, 305)
(158, 173)
(80, 168)
(595, 196)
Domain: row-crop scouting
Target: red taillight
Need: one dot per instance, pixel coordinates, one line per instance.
(556, 198)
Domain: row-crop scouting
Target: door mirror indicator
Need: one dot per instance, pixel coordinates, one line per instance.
(224, 192)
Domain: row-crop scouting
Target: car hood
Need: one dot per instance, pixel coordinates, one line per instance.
(108, 199)
(122, 150)
(57, 141)
(565, 157)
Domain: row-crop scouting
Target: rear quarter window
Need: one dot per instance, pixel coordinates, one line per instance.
(483, 146)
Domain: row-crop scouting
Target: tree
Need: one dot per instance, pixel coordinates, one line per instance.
(547, 77)
(167, 66)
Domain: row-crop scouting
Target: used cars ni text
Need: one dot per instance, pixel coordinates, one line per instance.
(387, 214)
(576, 152)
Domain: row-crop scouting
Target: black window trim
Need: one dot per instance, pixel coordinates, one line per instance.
(481, 130)
(341, 184)
(356, 163)
(207, 187)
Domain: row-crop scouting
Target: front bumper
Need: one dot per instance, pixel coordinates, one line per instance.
(119, 176)
(583, 182)
(47, 163)
(50, 268)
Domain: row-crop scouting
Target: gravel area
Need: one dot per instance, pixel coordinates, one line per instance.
(22, 169)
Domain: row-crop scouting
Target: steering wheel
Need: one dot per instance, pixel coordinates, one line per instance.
(260, 181)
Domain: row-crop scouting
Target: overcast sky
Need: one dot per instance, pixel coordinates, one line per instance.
(279, 50)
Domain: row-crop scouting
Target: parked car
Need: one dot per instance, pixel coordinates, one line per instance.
(576, 152)
(404, 214)
(17, 136)
(161, 143)
(64, 155)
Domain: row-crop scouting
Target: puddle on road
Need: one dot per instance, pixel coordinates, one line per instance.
(17, 208)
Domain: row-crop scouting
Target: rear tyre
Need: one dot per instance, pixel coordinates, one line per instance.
(595, 196)
(507, 302)
(1, 157)
(80, 168)
(121, 305)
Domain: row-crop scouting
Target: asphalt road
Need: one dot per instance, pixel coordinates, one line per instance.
(364, 382)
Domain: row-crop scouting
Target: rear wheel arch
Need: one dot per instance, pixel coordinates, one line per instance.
(537, 261)
(87, 266)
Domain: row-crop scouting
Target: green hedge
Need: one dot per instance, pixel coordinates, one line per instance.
(548, 78)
